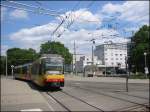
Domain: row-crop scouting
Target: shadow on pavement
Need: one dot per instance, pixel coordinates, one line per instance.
(40, 89)
(43, 89)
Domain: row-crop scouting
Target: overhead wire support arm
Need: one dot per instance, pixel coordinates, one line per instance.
(63, 20)
(71, 23)
(58, 26)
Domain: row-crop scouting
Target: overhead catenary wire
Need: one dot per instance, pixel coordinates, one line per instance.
(29, 10)
(64, 19)
(77, 18)
(31, 6)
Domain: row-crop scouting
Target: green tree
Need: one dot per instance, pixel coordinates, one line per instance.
(141, 45)
(17, 56)
(3, 64)
(56, 48)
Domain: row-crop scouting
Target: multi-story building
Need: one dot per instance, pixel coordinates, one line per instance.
(86, 60)
(112, 54)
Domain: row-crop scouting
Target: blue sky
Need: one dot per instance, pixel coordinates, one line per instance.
(25, 29)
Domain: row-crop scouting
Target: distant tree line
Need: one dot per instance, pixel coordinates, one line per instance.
(18, 56)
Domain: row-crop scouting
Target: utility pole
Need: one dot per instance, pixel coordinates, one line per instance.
(75, 58)
(145, 68)
(126, 59)
(93, 42)
(6, 65)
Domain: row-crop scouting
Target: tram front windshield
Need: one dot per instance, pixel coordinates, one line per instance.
(54, 65)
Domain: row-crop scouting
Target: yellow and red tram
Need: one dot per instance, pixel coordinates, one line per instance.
(47, 71)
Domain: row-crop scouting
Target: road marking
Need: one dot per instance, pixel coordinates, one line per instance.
(31, 110)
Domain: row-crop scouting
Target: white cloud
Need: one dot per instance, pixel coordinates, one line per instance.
(134, 11)
(19, 14)
(33, 37)
(111, 8)
(83, 18)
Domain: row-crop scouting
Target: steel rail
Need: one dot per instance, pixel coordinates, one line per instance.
(81, 100)
(130, 108)
(118, 92)
(59, 102)
(100, 93)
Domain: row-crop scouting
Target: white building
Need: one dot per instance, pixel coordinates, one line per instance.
(112, 54)
(86, 60)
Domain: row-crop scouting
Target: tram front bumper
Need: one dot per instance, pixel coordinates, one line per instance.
(55, 82)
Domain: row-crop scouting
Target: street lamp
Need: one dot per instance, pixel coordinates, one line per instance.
(93, 42)
(145, 68)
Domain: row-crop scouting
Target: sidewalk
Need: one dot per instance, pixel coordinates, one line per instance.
(18, 96)
(104, 79)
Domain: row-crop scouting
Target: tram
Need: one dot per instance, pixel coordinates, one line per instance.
(47, 71)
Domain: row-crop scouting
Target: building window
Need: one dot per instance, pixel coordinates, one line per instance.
(120, 54)
(112, 58)
(116, 58)
(112, 63)
(116, 54)
(106, 59)
(120, 58)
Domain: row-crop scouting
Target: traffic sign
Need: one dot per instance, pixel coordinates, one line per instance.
(12, 66)
(146, 70)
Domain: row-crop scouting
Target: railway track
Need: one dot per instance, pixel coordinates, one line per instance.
(130, 95)
(118, 92)
(135, 108)
(74, 97)
(100, 93)
(106, 86)
(65, 107)
(81, 100)
(68, 95)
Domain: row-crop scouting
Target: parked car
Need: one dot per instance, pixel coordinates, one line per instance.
(90, 75)
(121, 71)
(107, 72)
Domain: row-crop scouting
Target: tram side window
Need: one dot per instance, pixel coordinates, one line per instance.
(24, 70)
(18, 70)
(35, 69)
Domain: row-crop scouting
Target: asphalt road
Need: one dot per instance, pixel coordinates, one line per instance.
(80, 95)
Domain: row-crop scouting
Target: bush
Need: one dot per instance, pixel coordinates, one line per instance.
(139, 75)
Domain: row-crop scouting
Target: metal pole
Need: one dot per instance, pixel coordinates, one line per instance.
(12, 72)
(105, 69)
(75, 58)
(126, 75)
(6, 65)
(145, 64)
(92, 55)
